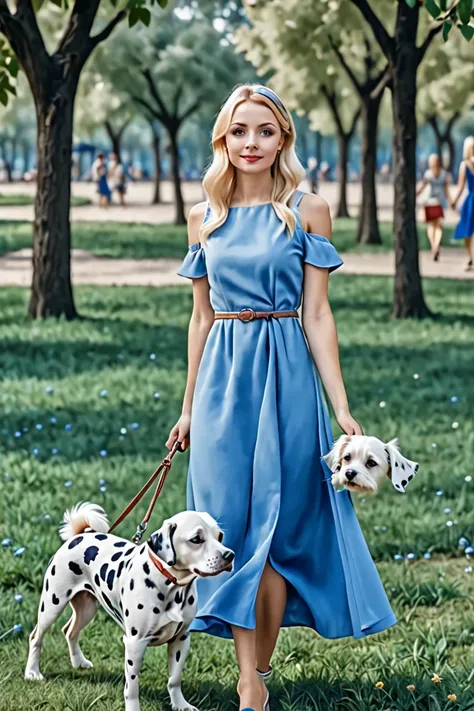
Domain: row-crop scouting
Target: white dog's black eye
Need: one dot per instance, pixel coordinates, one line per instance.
(347, 457)
(371, 463)
(197, 539)
(220, 536)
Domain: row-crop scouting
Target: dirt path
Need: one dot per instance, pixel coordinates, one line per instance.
(15, 268)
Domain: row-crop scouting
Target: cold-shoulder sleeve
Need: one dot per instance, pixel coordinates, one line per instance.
(193, 265)
(320, 252)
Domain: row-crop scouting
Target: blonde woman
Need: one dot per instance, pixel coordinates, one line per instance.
(465, 228)
(438, 179)
(254, 406)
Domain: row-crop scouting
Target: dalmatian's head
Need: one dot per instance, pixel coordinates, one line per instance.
(361, 464)
(192, 541)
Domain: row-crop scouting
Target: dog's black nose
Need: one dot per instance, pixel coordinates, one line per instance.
(229, 555)
(351, 474)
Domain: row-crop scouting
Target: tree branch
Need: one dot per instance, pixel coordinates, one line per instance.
(108, 29)
(75, 42)
(452, 121)
(191, 110)
(176, 98)
(331, 99)
(428, 40)
(25, 39)
(354, 123)
(345, 66)
(382, 82)
(433, 122)
(155, 94)
(151, 111)
(385, 41)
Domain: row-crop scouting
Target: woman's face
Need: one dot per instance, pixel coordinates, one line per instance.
(434, 162)
(253, 138)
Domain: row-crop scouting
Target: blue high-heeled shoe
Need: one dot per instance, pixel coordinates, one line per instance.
(266, 705)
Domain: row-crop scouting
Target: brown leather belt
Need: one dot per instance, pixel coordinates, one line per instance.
(250, 315)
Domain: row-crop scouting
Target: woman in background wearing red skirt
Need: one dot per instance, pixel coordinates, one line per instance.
(438, 179)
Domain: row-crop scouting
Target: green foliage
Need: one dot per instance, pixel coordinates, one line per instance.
(464, 9)
(467, 31)
(432, 8)
(110, 350)
(447, 27)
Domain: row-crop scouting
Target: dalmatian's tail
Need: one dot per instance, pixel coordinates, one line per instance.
(82, 517)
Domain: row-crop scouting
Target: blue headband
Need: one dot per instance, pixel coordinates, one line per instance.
(272, 96)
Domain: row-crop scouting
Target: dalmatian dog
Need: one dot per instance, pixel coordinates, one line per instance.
(361, 464)
(148, 589)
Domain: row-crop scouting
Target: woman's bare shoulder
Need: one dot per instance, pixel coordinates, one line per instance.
(315, 214)
(195, 220)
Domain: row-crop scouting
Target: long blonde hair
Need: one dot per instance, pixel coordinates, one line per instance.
(219, 180)
(468, 148)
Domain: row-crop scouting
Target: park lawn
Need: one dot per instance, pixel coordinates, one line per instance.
(145, 241)
(13, 200)
(125, 363)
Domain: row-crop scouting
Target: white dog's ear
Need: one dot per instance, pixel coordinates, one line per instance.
(162, 542)
(334, 456)
(401, 470)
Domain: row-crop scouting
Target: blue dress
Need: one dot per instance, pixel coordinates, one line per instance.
(465, 226)
(259, 427)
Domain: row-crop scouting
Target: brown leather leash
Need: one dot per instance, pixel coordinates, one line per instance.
(163, 469)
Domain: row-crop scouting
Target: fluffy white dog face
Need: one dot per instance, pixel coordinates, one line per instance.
(192, 540)
(361, 464)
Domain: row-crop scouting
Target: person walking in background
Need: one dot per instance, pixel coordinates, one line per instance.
(117, 177)
(465, 228)
(438, 180)
(99, 176)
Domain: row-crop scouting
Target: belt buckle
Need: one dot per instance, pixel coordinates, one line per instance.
(252, 316)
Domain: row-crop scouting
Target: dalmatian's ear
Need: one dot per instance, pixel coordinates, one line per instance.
(401, 470)
(334, 456)
(162, 542)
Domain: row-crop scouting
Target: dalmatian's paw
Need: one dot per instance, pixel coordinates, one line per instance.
(81, 663)
(184, 707)
(34, 675)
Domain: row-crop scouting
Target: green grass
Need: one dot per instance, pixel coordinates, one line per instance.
(110, 350)
(109, 239)
(144, 241)
(13, 200)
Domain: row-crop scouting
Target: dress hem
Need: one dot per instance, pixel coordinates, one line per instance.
(375, 628)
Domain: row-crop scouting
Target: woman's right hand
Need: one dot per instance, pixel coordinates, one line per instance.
(180, 432)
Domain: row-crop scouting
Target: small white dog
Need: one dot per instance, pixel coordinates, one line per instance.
(149, 589)
(361, 464)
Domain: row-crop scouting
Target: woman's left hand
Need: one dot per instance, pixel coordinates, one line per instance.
(347, 423)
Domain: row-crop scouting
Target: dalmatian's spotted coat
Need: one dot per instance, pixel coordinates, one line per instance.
(94, 568)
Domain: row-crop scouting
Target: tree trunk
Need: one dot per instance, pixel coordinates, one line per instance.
(408, 298)
(451, 152)
(26, 156)
(180, 218)
(368, 229)
(116, 137)
(433, 122)
(343, 140)
(51, 293)
(157, 154)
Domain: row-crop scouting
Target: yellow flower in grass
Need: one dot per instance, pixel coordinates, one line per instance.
(452, 697)
(411, 687)
(379, 685)
(436, 679)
